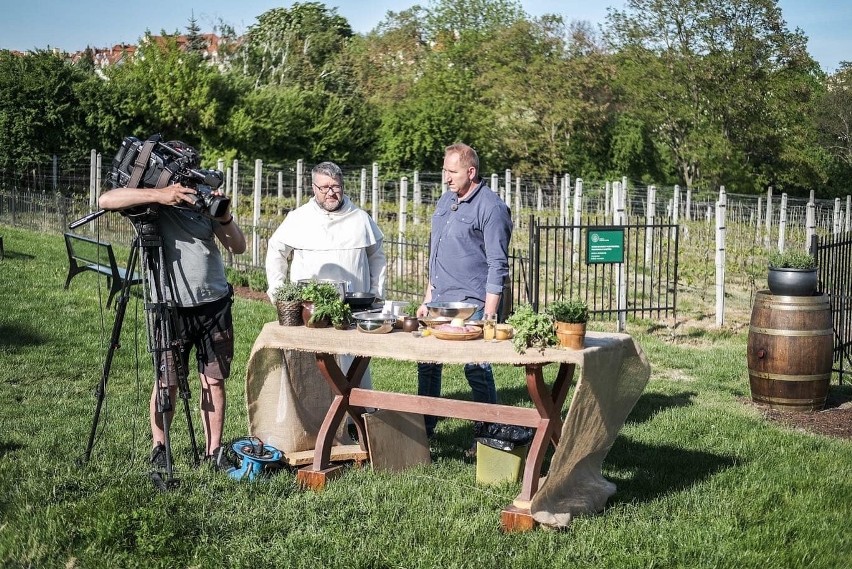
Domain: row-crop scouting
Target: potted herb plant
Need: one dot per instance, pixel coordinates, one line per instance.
(410, 323)
(319, 303)
(288, 302)
(531, 329)
(570, 318)
(792, 273)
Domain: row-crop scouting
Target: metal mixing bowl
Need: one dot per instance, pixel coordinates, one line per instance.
(451, 309)
(373, 322)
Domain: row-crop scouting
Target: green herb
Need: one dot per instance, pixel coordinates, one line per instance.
(575, 311)
(327, 303)
(410, 309)
(531, 329)
(288, 292)
(791, 260)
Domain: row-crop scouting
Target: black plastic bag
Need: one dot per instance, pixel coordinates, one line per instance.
(501, 436)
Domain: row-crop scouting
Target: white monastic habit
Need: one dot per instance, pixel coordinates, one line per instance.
(312, 243)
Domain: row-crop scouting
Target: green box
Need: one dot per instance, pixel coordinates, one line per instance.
(494, 466)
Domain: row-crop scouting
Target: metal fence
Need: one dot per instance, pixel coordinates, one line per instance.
(548, 266)
(834, 258)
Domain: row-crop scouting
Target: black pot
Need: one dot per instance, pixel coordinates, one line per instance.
(792, 282)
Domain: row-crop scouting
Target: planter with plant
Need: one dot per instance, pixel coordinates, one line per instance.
(531, 329)
(288, 303)
(570, 318)
(792, 273)
(410, 323)
(320, 302)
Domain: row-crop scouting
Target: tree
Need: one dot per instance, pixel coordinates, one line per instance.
(293, 46)
(195, 42)
(40, 110)
(709, 79)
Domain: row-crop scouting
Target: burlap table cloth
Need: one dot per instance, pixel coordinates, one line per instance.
(613, 374)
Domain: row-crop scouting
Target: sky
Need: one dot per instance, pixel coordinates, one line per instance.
(72, 25)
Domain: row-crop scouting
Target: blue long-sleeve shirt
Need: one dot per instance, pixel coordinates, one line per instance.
(469, 254)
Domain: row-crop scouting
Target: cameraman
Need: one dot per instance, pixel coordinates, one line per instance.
(203, 298)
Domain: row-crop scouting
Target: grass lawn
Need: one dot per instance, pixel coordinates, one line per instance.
(703, 480)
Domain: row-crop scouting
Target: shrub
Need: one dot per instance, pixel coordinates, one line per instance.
(288, 292)
(791, 260)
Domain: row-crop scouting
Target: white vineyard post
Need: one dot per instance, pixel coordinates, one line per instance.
(362, 198)
(810, 221)
(235, 186)
(300, 181)
(768, 234)
(618, 199)
(374, 195)
(782, 223)
(255, 220)
(650, 212)
(507, 187)
(688, 211)
(721, 207)
(280, 192)
(417, 199)
(835, 229)
(403, 213)
(578, 216)
(517, 214)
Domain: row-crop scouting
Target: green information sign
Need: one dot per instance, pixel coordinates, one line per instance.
(604, 245)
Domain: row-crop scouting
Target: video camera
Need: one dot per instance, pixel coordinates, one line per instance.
(155, 164)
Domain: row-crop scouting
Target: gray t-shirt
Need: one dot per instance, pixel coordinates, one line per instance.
(192, 257)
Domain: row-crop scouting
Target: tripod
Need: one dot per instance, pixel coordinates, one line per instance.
(164, 346)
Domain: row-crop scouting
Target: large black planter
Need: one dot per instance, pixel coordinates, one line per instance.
(792, 282)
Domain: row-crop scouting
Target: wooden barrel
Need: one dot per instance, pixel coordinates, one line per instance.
(790, 345)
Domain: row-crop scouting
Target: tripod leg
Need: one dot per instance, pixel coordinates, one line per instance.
(114, 344)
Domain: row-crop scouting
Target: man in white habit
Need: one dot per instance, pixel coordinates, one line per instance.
(329, 237)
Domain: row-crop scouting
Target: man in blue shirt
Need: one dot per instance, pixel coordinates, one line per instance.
(468, 261)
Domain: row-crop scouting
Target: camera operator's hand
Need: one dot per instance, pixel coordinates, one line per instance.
(123, 198)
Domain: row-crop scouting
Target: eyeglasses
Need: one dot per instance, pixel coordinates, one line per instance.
(325, 190)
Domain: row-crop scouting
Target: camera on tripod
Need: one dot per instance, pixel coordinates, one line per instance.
(155, 164)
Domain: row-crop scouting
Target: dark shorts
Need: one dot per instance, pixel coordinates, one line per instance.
(208, 329)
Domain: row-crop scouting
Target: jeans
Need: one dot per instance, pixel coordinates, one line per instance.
(479, 377)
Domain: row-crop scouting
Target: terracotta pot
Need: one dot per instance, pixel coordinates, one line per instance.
(307, 312)
(571, 335)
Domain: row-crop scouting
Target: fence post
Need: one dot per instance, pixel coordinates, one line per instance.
(578, 215)
(507, 187)
(300, 181)
(721, 207)
(280, 193)
(229, 191)
(517, 214)
(417, 199)
(847, 220)
(688, 211)
(650, 213)
(768, 234)
(810, 220)
(375, 192)
(93, 159)
(835, 230)
(403, 207)
(618, 218)
(363, 195)
(782, 223)
(235, 193)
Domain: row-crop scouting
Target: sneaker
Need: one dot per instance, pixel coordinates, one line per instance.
(221, 459)
(158, 457)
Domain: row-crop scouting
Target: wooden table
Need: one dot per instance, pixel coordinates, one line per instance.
(349, 398)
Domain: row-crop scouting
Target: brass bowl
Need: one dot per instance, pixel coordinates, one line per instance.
(451, 310)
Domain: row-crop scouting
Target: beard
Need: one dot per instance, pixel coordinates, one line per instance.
(332, 204)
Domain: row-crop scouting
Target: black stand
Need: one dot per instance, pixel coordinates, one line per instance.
(162, 343)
